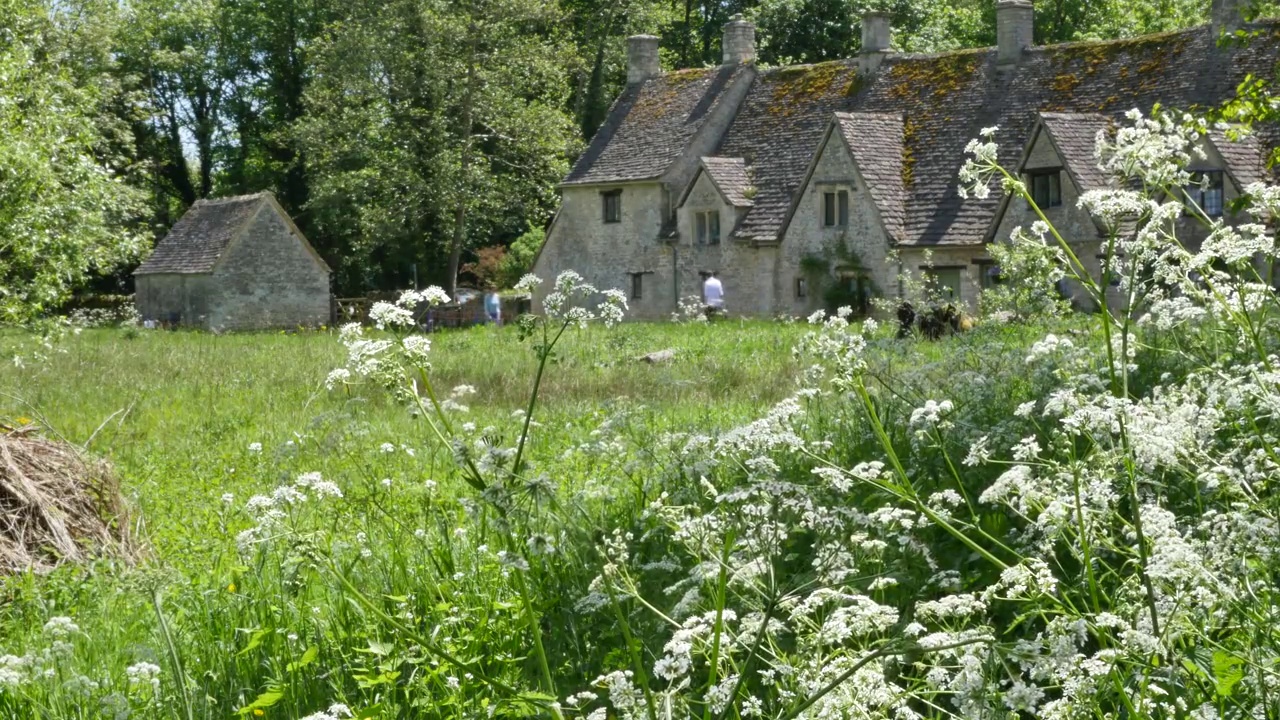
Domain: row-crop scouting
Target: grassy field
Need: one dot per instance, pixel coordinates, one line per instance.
(356, 600)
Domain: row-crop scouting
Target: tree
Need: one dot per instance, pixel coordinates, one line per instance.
(433, 123)
(65, 212)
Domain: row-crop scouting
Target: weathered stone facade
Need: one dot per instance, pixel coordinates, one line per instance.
(235, 264)
(759, 150)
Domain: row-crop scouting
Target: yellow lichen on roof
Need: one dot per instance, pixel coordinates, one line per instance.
(937, 76)
(804, 81)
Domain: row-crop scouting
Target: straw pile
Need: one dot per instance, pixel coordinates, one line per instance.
(55, 504)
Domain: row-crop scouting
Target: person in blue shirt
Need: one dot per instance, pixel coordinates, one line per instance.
(493, 306)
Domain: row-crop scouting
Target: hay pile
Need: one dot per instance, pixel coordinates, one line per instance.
(55, 505)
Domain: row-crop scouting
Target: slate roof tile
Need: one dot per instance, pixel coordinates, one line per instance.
(730, 176)
(875, 140)
(650, 124)
(1243, 156)
(1075, 136)
(198, 239)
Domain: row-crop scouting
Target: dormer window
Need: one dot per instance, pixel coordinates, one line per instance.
(706, 227)
(1205, 192)
(612, 206)
(835, 208)
(1045, 187)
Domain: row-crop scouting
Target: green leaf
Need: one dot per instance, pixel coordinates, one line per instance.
(1227, 671)
(265, 700)
(254, 641)
(370, 712)
(308, 657)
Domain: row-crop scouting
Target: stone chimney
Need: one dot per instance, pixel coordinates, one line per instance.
(877, 36)
(739, 41)
(1226, 16)
(642, 58)
(1015, 23)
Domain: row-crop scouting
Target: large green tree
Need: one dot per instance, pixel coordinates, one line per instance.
(433, 125)
(65, 211)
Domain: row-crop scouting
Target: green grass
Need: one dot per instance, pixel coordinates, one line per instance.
(177, 412)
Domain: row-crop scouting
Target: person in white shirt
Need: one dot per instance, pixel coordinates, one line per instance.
(713, 294)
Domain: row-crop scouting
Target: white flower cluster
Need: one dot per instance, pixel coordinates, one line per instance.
(336, 711)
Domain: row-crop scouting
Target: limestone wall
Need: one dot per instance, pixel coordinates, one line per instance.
(862, 246)
(606, 254)
(267, 278)
(173, 297)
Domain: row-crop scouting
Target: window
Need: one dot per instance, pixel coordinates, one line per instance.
(1205, 191)
(637, 285)
(1046, 187)
(612, 201)
(835, 208)
(943, 281)
(802, 288)
(988, 274)
(706, 227)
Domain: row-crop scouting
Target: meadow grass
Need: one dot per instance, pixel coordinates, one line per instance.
(195, 424)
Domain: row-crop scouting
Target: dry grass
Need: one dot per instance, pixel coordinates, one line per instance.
(56, 505)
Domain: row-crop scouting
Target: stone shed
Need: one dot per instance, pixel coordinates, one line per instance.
(236, 263)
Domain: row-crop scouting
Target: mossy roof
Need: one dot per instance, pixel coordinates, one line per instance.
(650, 125)
(944, 100)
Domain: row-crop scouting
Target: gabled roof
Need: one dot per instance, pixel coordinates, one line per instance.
(651, 124)
(777, 130)
(730, 178)
(1244, 156)
(1074, 137)
(943, 100)
(200, 237)
(875, 141)
(197, 240)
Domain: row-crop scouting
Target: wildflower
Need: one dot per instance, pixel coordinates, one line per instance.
(255, 447)
(60, 627)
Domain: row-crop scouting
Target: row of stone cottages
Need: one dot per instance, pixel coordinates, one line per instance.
(799, 186)
(794, 184)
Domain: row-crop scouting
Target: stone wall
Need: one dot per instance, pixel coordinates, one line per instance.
(606, 254)
(862, 246)
(267, 278)
(916, 262)
(173, 297)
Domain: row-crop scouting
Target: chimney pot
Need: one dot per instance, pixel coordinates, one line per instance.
(642, 58)
(739, 41)
(1015, 25)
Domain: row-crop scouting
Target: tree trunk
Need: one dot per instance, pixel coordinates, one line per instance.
(464, 163)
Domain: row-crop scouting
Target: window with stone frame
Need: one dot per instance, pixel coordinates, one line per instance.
(637, 285)
(611, 202)
(802, 288)
(1206, 191)
(1045, 187)
(835, 208)
(706, 227)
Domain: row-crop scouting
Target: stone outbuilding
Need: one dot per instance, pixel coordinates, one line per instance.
(236, 263)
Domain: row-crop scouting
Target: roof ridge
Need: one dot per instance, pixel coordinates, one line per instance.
(234, 198)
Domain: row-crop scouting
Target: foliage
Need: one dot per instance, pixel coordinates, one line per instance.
(65, 212)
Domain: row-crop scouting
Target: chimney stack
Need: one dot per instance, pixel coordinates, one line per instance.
(1015, 23)
(739, 41)
(1226, 16)
(877, 36)
(642, 58)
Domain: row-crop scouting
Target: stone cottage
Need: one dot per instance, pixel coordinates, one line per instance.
(236, 263)
(805, 186)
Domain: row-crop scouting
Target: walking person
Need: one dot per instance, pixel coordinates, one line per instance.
(493, 306)
(713, 296)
